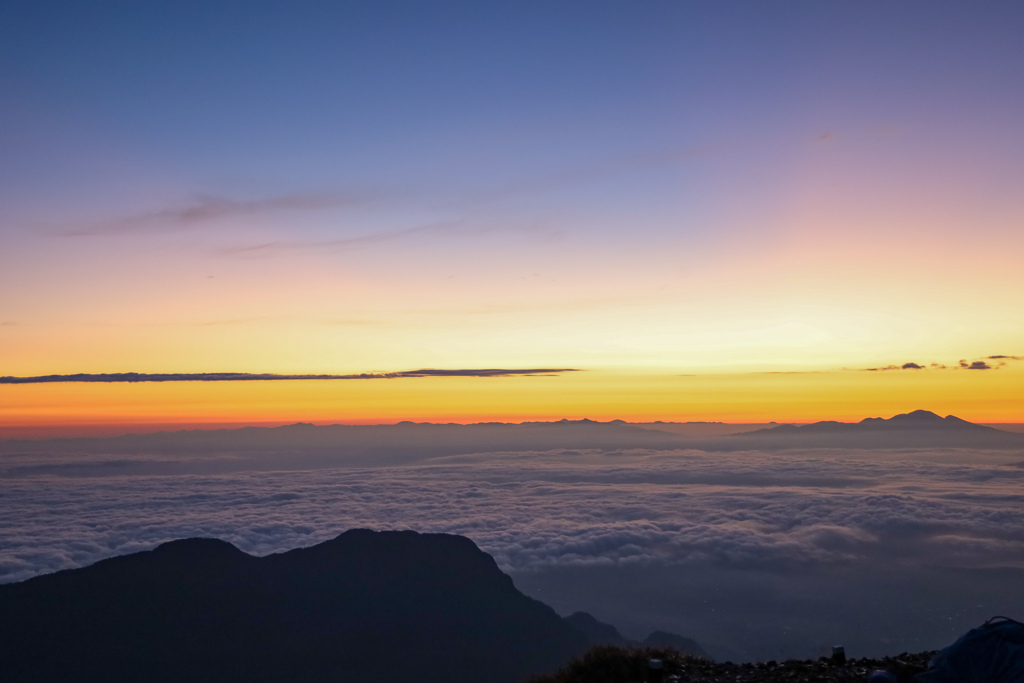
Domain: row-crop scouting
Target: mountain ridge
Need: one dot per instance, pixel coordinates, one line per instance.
(916, 419)
(304, 446)
(427, 607)
(919, 419)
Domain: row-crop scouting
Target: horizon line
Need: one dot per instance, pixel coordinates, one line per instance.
(116, 429)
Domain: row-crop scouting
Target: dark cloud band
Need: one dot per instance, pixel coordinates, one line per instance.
(962, 364)
(250, 377)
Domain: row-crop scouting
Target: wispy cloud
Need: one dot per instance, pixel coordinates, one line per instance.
(975, 365)
(205, 210)
(905, 366)
(1004, 359)
(597, 170)
(285, 246)
(250, 376)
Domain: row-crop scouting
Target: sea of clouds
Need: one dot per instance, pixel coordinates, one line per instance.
(757, 555)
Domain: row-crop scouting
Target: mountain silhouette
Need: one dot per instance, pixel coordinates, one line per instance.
(924, 419)
(601, 633)
(307, 445)
(598, 632)
(395, 605)
(920, 428)
(686, 646)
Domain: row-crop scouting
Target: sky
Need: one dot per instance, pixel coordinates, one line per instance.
(678, 210)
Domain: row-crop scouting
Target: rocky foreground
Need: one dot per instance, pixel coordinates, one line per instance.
(633, 665)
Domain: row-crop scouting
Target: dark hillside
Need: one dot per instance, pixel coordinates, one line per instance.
(366, 605)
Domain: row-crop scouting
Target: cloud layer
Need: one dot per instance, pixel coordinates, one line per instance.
(543, 508)
(573, 525)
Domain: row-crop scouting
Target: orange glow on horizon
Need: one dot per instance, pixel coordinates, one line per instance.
(102, 408)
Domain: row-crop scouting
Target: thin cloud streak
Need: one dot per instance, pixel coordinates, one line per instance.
(905, 366)
(250, 377)
(790, 372)
(279, 247)
(205, 210)
(454, 227)
(543, 183)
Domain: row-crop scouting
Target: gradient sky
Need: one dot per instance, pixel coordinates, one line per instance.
(714, 210)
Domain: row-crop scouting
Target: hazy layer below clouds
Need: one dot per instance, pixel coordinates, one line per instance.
(755, 554)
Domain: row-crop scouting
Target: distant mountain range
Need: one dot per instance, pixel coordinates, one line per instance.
(916, 420)
(396, 605)
(371, 443)
(606, 634)
(920, 428)
(306, 446)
